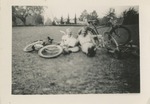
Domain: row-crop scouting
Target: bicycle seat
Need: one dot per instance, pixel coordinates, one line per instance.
(50, 40)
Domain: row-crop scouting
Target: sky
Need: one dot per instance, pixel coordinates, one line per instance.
(58, 9)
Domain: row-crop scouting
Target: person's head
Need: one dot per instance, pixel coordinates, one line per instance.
(69, 31)
(84, 31)
(91, 51)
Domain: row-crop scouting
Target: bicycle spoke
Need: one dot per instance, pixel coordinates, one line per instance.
(50, 51)
(110, 43)
(122, 35)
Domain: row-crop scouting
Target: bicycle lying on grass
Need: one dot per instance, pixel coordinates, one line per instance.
(46, 49)
(117, 39)
(49, 48)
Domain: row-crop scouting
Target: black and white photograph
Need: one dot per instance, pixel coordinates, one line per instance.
(72, 50)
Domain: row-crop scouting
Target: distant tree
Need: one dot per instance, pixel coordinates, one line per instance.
(38, 19)
(75, 19)
(61, 20)
(48, 21)
(94, 15)
(54, 22)
(111, 13)
(106, 18)
(14, 15)
(83, 15)
(68, 19)
(131, 16)
(103, 21)
(22, 12)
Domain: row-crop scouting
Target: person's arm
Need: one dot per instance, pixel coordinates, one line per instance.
(62, 43)
(93, 36)
(92, 39)
(79, 32)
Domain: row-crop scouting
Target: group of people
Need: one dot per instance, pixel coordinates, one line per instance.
(84, 41)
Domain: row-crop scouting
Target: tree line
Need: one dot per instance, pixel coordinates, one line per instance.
(22, 12)
(129, 17)
(33, 15)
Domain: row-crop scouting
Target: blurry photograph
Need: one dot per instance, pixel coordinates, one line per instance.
(75, 50)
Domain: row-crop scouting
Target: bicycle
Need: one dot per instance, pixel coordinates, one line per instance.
(116, 39)
(46, 49)
(49, 48)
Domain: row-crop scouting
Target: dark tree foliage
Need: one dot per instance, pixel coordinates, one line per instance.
(106, 18)
(130, 16)
(85, 15)
(54, 22)
(68, 20)
(103, 21)
(13, 14)
(19, 12)
(111, 13)
(22, 12)
(75, 19)
(93, 15)
(61, 20)
(38, 19)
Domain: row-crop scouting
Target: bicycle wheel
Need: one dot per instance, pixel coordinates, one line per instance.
(121, 34)
(30, 47)
(50, 51)
(110, 43)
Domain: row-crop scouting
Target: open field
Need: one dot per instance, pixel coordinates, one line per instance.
(70, 74)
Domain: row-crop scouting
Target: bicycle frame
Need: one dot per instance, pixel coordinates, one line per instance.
(110, 29)
(91, 25)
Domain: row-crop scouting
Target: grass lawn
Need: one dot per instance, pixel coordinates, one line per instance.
(70, 74)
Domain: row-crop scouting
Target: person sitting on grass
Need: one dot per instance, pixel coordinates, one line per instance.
(68, 42)
(88, 45)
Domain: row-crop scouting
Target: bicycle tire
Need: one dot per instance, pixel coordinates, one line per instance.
(111, 45)
(110, 42)
(48, 51)
(29, 47)
(121, 34)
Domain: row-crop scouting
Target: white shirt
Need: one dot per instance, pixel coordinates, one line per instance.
(69, 40)
(85, 39)
(86, 42)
